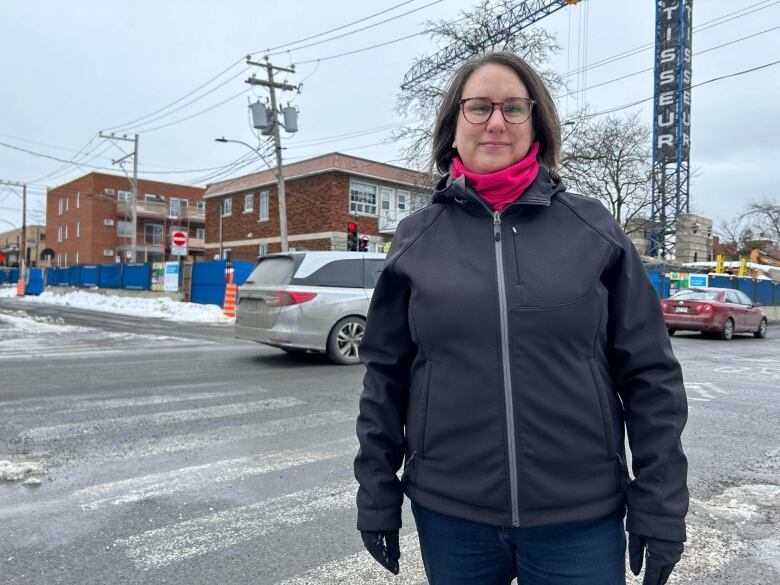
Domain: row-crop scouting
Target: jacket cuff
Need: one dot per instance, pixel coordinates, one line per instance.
(671, 528)
(376, 519)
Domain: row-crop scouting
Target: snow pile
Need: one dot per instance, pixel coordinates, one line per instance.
(17, 471)
(21, 321)
(160, 307)
(7, 292)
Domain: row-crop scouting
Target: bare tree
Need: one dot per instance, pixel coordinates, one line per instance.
(765, 216)
(609, 159)
(481, 30)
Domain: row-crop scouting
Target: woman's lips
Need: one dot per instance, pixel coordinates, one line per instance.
(494, 144)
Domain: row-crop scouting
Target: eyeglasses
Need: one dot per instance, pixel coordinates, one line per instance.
(477, 110)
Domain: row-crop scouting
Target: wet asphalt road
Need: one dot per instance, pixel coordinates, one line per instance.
(176, 454)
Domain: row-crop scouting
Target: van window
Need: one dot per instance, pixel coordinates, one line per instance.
(373, 270)
(341, 273)
(272, 272)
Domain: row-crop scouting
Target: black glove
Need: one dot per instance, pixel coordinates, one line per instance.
(662, 556)
(384, 547)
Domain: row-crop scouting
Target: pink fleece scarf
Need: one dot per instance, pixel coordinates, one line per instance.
(501, 188)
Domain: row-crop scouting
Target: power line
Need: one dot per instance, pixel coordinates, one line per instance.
(223, 102)
(381, 22)
(336, 29)
(185, 96)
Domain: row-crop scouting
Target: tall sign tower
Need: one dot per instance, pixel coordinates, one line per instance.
(672, 122)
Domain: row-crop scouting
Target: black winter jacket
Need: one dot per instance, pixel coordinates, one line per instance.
(506, 353)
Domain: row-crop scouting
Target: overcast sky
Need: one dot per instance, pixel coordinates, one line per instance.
(71, 69)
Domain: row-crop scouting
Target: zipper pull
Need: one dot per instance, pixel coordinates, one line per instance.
(514, 230)
(497, 225)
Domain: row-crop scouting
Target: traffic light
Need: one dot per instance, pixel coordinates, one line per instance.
(352, 237)
(363, 245)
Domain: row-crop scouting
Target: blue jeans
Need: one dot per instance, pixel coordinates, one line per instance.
(460, 552)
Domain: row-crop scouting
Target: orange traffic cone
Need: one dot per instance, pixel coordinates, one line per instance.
(229, 307)
(20, 288)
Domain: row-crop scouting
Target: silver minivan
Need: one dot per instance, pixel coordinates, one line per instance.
(309, 301)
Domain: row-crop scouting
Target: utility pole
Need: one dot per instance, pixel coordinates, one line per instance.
(23, 246)
(273, 86)
(133, 183)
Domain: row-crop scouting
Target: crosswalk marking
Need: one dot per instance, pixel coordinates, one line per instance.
(61, 431)
(192, 441)
(363, 569)
(189, 478)
(222, 530)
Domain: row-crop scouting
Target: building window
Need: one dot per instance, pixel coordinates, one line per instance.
(387, 199)
(227, 206)
(264, 196)
(153, 234)
(362, 198)
(154, 198)
(66, 231)
(124, 229)
(249, 203)
(201, 205)
(59, 234)
(77, 256)
(177, 205)
(60, 206)
(42, 237)
(78, 232)
(66, 259)
(78, 199)
(124, 196)
(58, 259)
(403, 200)
(419, 200)
(67, 204)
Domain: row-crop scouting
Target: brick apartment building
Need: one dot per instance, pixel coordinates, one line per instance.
(323, 195)
(11, 244)
(89, 220)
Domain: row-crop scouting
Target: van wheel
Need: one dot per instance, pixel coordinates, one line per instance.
(728, 329)
(761, 333)
(344, 340)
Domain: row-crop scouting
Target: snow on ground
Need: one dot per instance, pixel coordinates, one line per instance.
(20, 321)
(7, 291)
(19, 470)
(160, 307)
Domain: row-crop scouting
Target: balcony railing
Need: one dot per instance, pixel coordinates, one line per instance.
(144, 208)
(191, 213)
(197, 243)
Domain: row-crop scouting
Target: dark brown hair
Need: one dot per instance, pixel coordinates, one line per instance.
(546, 124)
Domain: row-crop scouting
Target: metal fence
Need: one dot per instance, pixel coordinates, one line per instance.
(762, 291)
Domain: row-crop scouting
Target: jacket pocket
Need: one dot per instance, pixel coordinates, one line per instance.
(417, 420)
(610, 446)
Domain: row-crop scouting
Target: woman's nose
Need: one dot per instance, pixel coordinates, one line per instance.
(496, 120)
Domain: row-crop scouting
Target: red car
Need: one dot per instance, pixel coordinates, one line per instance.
(721, 311)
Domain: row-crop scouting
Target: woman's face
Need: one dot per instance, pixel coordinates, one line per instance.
(496, 144)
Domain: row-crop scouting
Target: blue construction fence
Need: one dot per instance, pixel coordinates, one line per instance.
(207, 283)
(762, 291)
(209, 280)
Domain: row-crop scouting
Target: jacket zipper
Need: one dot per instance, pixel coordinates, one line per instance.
(504, 320)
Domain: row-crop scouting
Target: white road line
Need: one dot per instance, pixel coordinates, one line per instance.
(221, 530)
(187, 478)
(362, 568)
(193, 414)
(192, 441)
(107, 403)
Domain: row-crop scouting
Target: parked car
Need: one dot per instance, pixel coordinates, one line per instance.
(720, 311)
(309, 301)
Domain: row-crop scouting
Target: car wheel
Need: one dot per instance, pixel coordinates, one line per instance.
(344, 340)
(671, 331)
(728, 329)
(761, 333)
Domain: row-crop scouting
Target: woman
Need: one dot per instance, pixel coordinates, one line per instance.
(512, 337)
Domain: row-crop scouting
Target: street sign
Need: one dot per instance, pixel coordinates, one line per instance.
(178, 243)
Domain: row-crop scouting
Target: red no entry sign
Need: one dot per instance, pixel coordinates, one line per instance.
(179, 238)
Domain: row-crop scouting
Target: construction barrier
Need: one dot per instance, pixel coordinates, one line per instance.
(34, 281)
(209, 280)
(231, 294)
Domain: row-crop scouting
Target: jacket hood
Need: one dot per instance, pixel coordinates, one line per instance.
(540, 192)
